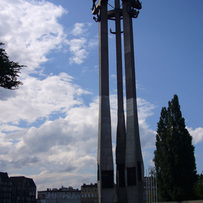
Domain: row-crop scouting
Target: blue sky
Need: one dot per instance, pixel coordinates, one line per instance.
(49, 125)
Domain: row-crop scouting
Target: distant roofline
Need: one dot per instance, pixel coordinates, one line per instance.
(62, 189)
(90, 185)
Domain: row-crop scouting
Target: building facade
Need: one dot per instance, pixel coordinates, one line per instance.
(61, 195)
(17, 189)
(5, 188)
(89, 193)
(23, 190)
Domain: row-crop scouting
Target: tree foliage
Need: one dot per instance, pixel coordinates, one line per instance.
(9, 71)
(174, 155)
(199, 187)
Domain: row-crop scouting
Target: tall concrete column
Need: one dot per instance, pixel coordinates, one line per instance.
(121, 131)
(105, 157)
(133, 162)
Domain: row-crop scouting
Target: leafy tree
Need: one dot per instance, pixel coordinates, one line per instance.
(174, 155)
(9, 71)
(199, 187)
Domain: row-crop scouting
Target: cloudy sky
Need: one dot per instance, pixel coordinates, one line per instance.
(48, 127)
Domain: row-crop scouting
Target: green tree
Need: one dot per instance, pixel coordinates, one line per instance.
(199, 187)
(174, 155)
(9, 71)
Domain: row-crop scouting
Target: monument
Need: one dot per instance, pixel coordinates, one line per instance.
(129, 162)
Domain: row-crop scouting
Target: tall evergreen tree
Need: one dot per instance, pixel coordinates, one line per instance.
(174, 155)
(199, 187)
(9, 71)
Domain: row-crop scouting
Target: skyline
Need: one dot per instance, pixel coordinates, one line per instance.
(49, 125)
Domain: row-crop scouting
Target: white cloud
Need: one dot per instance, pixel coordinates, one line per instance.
(48, 179)
(197, 134)
(145, 108)
(65, 145)
(80, 45)
(78, 50)
(40, 98)
(147, 136)
(92, 43)
(79, 29)
(62, 143)
(30, 30)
